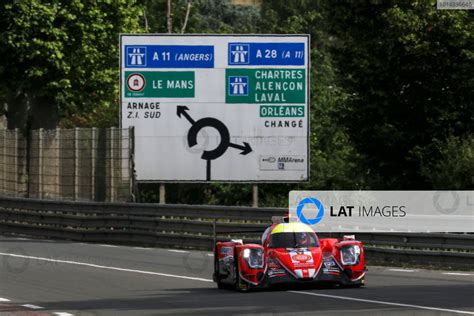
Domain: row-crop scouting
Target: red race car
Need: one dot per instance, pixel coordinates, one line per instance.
(290, 253)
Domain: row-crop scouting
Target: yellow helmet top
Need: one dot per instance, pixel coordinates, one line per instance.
(292, 228)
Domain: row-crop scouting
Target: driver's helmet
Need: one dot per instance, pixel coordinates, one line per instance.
(303, 239)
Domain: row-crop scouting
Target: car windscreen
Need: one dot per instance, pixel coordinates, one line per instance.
(293, 240)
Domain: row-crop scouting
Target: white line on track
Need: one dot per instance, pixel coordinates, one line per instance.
(63, 314)
(31, 306)
(142, 248)
(105, 267)
(111, 246)
(4, 299)
(384, 303)
(210, 254)
(457, 273)
(178, 251)
(401, 270)
(208, 280)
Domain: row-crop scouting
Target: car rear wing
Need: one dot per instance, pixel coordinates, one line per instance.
(245, 230)
(280, 219)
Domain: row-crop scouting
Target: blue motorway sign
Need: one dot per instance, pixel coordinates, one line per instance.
(259, 54)
(169, 56)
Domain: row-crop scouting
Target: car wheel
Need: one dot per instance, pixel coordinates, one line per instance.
(217, 276)
(361, 282)
(356, 285)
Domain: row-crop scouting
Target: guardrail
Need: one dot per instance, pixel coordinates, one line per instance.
(196, 227)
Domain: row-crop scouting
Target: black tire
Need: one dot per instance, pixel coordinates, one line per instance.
(217, 276)
(361, 283)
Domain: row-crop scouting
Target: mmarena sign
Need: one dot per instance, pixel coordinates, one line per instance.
(217, 107)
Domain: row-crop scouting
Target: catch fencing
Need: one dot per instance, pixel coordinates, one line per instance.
(81, 164)
(199, 226)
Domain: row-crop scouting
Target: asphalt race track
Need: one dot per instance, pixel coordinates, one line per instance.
(40, 277)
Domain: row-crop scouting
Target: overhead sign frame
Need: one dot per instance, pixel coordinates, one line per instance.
(294, 106)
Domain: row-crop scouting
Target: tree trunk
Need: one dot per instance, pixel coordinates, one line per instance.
(29, 113)
(169, 20)
(43, 113)
(188, 10)
(17, 112)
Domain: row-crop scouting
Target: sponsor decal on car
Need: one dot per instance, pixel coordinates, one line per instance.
(329, 264)
(330, 267)
(305, 273)
(275, 269)
(276, 273)
(226, 250)
(273, 265)
(301, 257)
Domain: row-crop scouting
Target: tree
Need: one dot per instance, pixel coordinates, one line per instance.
(205, 16)
(335, 163)
(453, 167)
(59, 59)
(409, 68)
(221, 16)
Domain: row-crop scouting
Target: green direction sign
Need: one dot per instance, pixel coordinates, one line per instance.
(159, 84)
(282, 111)
(265, 85)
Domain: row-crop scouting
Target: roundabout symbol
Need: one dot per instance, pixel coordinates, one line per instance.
(225, 142)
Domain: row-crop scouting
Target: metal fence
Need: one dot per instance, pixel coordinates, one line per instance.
(197, 227)
(82, 164)
(13, 175)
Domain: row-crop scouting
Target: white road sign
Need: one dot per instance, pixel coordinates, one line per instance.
(217, 107)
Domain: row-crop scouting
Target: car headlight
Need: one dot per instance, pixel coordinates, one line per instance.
(254, 257)
(350, 255)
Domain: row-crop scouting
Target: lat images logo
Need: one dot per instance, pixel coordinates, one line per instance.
(311, 201)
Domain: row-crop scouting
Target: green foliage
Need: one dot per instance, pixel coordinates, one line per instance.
(154, 18)
(409, 68)
(220, 16)
(453, 167)
(334, 160)
(65, 50)
(391, 82)
(206, 16)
